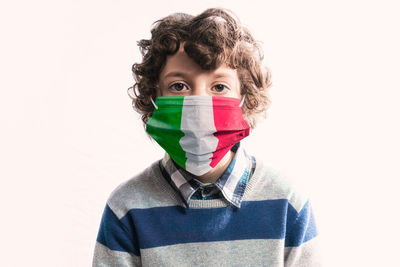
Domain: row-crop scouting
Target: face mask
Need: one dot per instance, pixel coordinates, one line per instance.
(197, 131)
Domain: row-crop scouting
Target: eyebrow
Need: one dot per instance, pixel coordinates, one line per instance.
(174, 74)
(182, 74)
(223, 75)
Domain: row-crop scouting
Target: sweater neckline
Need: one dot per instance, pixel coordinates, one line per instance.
(212, 203)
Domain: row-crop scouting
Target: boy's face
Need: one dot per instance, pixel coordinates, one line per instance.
(181, 76)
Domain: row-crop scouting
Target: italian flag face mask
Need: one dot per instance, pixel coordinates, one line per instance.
(197, 131)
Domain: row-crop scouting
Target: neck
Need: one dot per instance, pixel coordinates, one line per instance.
(213, 175)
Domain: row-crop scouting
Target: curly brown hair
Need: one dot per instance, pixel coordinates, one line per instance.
(212, 38)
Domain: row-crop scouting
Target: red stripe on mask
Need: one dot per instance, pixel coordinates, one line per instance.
(229, 124)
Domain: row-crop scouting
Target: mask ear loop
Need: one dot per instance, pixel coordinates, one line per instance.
(132, 96)
(241, 102)
(154, 104)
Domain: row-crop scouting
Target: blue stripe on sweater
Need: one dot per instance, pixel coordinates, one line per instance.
(162, 226)
(117, 234)
(300, 226)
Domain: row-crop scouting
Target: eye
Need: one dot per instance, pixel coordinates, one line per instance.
(178, 87)
(219, 88)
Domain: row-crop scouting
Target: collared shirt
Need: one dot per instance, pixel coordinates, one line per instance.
(231, 185)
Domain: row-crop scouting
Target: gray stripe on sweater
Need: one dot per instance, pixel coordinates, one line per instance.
(146, 190)
(223, 253)
(268, 184)
(105, 257)
(307, 255)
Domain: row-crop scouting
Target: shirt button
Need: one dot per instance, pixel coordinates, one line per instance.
(206, 190)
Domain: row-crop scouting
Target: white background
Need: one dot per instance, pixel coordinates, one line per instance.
(69, 135)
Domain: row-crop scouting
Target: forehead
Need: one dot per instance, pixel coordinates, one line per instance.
(181, 63)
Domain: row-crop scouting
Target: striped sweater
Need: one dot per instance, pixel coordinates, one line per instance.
(146, 223)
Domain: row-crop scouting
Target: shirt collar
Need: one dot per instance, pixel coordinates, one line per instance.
(232, 183)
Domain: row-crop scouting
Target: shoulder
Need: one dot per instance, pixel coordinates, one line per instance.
(145, 190)
(268, 183)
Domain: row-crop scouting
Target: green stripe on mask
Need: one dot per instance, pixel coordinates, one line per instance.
(165, 126)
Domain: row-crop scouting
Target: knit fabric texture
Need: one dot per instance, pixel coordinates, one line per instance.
(147, 223)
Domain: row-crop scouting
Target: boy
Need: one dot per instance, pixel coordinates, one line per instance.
(199, 89)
